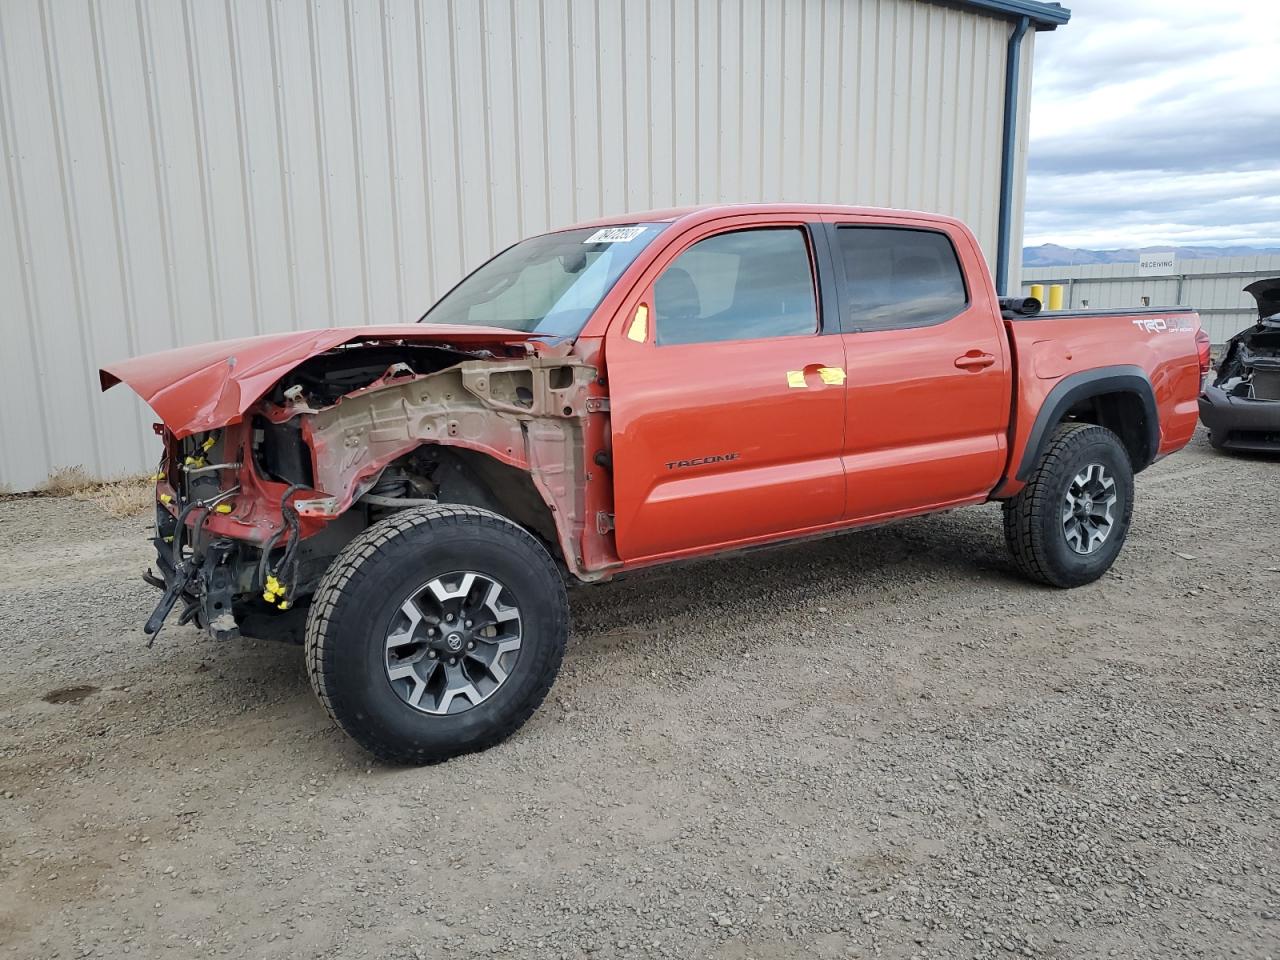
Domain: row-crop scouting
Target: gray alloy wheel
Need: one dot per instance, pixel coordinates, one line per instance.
(1087, 518)
(421, 588)
(453, 643)
(1066, 527)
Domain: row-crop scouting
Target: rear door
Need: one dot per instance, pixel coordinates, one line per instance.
(929, 371)
(727, 396)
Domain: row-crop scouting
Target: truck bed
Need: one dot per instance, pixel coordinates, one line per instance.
(1109, 312)
(1053, 351)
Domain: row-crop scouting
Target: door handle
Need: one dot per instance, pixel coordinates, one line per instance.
(975, 360)
(832, 376)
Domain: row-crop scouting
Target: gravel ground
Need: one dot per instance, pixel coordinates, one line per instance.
(883, 744)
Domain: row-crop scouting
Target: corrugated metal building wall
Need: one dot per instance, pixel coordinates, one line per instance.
(1214, 286)
(181, 170)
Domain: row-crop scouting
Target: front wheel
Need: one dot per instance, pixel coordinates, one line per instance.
(1067, 525)
(436, 632)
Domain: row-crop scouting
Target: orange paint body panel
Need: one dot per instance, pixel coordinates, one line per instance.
(927, 427)
(211, 385)
(690, 448)
(708, 452)
(711, 442)
(931, 417)
(1154, 341)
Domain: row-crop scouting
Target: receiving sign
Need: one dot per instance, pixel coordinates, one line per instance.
(1151, 264)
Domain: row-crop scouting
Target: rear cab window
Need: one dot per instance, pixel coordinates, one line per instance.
(898, 277)
(748, 284)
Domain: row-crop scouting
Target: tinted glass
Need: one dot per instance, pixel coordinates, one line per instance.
(548, 284)
(899, 278)
(737, 286)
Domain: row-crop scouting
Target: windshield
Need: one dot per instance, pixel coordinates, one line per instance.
(547, 284)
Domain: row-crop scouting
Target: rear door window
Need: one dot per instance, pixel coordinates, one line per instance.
(742, 285)
(899, 278)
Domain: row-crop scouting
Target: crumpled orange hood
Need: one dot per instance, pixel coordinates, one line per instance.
(194, 389)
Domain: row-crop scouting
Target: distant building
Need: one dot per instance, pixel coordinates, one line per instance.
(1214, 286)
(176, 170)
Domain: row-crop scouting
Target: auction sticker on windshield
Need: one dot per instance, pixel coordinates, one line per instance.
(614, 235)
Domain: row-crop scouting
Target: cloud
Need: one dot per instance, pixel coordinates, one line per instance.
(1156, 123)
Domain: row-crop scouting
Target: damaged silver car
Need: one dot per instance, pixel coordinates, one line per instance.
(1241, 405)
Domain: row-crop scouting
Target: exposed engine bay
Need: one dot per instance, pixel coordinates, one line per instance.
(251, 514)
(1251, 366)
(1241, 406)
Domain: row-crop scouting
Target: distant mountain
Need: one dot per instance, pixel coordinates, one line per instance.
(1053, 255)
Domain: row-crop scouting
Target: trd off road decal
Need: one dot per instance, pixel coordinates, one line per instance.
(1164, 324)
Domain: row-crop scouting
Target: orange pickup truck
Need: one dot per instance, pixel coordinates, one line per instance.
(409, 500)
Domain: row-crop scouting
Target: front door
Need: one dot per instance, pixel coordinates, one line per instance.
(929, 371)
(727, 399)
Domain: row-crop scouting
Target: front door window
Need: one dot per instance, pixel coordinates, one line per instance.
(744, 285)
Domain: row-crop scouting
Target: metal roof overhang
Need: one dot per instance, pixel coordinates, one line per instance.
(1043, 16)
(1025, 14)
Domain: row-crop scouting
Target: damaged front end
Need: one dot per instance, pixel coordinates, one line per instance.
(251, 511)
(1241, 406)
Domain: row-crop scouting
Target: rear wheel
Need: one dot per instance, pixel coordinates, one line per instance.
(436, 632)
(1067, 525)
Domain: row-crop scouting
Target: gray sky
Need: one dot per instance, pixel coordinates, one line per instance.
(1157, 122)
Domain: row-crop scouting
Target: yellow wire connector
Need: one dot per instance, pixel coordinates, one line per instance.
(273, 592)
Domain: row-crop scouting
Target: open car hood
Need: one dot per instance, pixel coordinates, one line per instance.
(1267, 295)
(199, 388)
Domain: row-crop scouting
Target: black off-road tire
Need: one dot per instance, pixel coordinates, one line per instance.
(360, 594)
(1033, 520)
